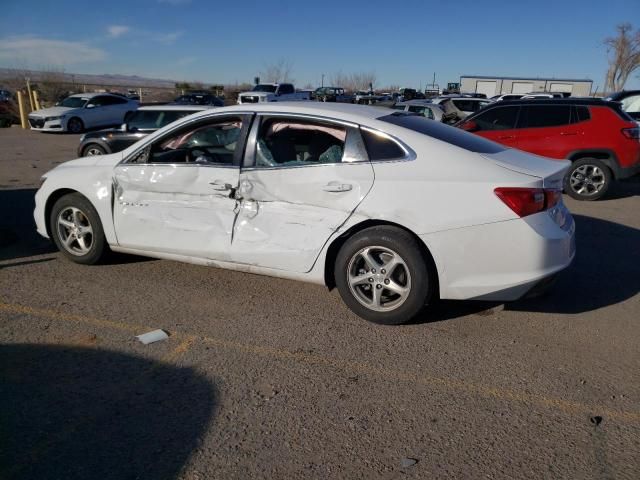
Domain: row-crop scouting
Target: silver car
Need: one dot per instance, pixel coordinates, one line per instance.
(422, 107)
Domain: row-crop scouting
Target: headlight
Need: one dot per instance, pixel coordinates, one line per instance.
(43, 178)
(50, 119)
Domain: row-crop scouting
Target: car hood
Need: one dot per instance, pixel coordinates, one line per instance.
(100, 160)
(550, 170)
(52, 112)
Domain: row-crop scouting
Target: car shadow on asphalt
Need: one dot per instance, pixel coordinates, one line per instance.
(628, 187)
(605, 270)
(85, 413)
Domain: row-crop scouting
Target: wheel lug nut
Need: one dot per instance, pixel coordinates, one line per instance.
(370, 279)
(383, 271)
(386, 281)
(378, 286)
(373, 270)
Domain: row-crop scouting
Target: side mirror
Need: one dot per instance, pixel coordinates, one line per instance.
(469, 126)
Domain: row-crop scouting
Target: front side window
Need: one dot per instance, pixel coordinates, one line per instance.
(284, 142)
(286, 88)
(503, 118)
(213, 142)
(534, 116)
(424, 111)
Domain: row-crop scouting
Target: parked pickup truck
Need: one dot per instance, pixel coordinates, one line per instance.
(272, 92)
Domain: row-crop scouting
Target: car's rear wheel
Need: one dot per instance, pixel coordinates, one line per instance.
(75, 125)
(93, 149)
(383, 275)
(76, 229)
(587, 179)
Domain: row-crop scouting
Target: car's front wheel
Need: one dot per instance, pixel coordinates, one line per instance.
(75, 125)
(587, 179)
(384, 276)
(76, 229)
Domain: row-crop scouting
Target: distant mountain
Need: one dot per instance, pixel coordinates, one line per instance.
(106, 79)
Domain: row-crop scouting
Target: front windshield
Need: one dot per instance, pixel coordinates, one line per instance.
(154, 119)
(74, 102)
(264, 88)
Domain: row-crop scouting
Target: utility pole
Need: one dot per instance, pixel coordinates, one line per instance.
(322, 81)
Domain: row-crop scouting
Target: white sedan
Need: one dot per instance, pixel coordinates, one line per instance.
(393, 209)
(85, 110)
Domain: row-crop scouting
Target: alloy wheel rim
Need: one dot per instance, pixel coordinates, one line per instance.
(587, 180)
(75, 231)
(93, 151)
(379, 278)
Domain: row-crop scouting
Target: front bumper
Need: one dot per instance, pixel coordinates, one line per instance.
(42, 125)
(502, 261)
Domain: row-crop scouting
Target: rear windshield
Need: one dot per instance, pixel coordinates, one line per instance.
(440, 131)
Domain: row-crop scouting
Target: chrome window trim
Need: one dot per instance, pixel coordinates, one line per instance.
(212, 115)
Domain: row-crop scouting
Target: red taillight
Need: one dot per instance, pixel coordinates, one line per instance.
(527, 201)
(631, 133)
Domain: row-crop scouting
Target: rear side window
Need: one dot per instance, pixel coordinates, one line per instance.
(501, 118)
(380, 147)
(534, 116)
(442, 132)
(580, 114)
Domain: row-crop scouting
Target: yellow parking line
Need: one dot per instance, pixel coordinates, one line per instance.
(351, 366)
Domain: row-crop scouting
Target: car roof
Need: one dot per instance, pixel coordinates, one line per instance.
(95, 94)
(555, 101)
(180, 108)
(343, 111)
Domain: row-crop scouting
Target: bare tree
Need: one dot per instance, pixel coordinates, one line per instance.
(276, 72)
(624, 56)
(53, 85)
(354, 81)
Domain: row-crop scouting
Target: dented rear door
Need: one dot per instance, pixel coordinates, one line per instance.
(287, 213)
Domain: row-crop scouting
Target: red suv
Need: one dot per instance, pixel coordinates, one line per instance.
(602, 142)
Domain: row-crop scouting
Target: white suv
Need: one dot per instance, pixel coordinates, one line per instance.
(85, 110)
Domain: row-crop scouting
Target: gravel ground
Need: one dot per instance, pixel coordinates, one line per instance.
(268, 378)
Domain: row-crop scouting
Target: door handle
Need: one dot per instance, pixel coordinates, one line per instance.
(505, 137)
(568, 133)
(220, 185)
(337, 187)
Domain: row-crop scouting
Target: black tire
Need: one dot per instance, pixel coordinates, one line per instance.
(75, 125)
(587, 179)
(420, 281)
(95, 243)
(93, 149)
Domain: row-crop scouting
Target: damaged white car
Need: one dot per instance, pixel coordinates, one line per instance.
(394, 210)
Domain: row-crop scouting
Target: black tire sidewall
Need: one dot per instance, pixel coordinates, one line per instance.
(407, 246)
(80, 122)
(99, 242)
(588, 161)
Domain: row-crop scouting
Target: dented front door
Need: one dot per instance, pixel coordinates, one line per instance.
(184, 209)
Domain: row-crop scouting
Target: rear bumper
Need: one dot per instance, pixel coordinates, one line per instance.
(626, 172)
(502, 261)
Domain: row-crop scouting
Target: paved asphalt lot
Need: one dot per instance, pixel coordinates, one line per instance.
(268, 378)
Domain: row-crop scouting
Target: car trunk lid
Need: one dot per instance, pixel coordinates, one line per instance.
(551, 171)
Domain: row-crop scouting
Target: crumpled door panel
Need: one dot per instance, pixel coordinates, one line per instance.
(286, 215)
